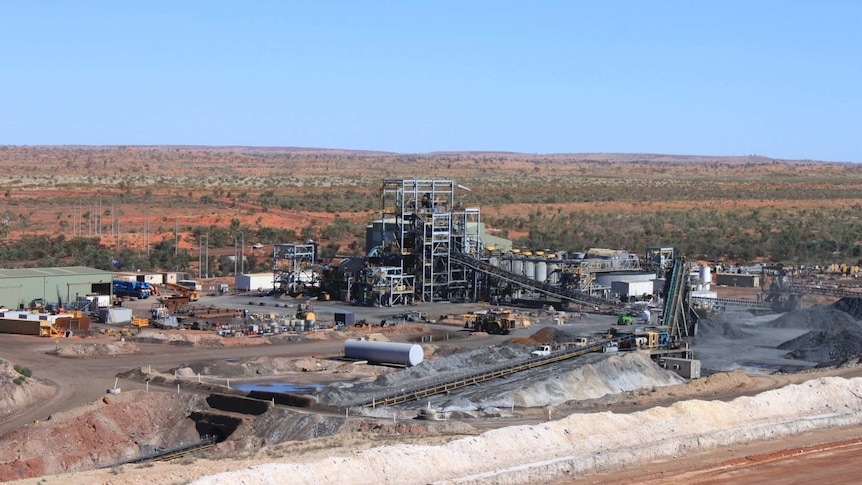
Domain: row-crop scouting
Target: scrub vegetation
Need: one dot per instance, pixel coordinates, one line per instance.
(156, 207)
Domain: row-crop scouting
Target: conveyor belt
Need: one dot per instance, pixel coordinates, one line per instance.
(523, 281)
(162, 454)
(464, 381)
(822, 290)
(740, 304)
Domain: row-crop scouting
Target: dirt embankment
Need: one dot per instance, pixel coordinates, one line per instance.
(18, 392)
(117, 427)
(87, 350)
(573, 446)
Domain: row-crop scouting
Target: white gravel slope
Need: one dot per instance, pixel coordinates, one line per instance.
(580, 443)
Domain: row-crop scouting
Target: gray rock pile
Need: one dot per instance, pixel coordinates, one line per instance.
(835, 332)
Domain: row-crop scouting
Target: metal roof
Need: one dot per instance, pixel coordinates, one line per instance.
(42, 272)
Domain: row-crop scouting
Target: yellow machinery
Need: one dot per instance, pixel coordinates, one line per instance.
(47, 329)
(140, 322)
(305, 313)
(185, 291)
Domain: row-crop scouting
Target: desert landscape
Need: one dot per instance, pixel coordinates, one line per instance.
(778, 390)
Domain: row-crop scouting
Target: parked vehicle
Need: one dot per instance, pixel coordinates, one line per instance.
(136, 289)
(542, 351)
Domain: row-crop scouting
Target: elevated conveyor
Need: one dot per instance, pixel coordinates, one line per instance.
(678, 315)
(723, 304)
(207, 442)
(825, 290)
(524, 282)
(482, 376)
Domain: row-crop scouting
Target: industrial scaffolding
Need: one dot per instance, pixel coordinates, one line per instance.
(421, 226)
(292, 266)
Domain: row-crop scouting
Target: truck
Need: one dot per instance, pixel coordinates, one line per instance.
(136, 289)
(542, 351)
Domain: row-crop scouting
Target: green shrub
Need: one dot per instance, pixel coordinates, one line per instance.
(19, 380)
(24, 371)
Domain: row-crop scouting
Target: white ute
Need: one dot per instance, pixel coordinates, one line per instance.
(542, 351)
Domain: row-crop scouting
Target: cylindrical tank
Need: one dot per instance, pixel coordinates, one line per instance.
(384, 352)
(553, 273)
(530, 269)
(506, 264)
(541, 271)
(518, 266)
(494, 261)
(706, 275)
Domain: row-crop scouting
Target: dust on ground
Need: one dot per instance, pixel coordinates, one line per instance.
(300, 441)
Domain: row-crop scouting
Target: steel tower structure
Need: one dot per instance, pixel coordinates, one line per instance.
(420, 230)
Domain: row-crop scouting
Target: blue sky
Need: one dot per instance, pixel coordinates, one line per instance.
(775, 78)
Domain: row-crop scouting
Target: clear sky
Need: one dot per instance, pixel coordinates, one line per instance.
(775, 78)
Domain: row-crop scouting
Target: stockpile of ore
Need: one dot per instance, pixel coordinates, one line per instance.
(835, 331)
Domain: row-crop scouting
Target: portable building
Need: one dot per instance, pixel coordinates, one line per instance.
(626, 289)
(688, 368)
(255, 282)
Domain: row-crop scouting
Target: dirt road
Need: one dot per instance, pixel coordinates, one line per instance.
(80, 381)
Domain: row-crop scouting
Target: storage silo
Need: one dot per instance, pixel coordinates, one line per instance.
(384, 352)
(530, 269)
(518, 266)
(541, 271)
(706, 277)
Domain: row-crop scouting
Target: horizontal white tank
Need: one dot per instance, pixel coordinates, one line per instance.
(384, 352)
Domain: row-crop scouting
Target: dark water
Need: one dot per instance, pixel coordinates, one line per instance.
(279, 387)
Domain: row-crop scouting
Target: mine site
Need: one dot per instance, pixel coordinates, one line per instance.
(442, 352)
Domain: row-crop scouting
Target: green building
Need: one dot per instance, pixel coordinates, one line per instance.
(19, 287)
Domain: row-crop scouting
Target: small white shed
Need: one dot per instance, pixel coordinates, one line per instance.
(254, 282)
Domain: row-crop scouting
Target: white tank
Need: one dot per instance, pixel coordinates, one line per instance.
(706, 275)
(494, 261)
(384, 352)
(518, 266)
(541, 271)
(530, 269)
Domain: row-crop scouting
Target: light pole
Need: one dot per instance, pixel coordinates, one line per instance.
(200, 256)
(208, 256)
